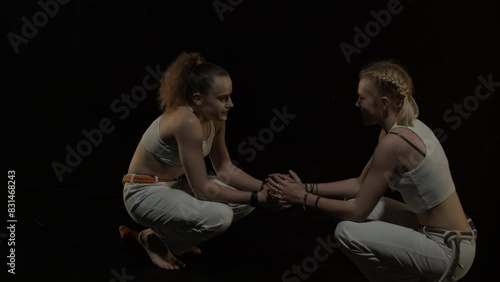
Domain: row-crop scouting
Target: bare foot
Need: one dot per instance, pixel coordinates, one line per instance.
(194, 250)
(127, 233)
(158, 251)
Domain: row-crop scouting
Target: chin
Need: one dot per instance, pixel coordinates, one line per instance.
(221, 118)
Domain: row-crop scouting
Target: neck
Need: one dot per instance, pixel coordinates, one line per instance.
(196, 111)
(388, 123)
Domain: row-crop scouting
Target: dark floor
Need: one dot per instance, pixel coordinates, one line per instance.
(71, 235)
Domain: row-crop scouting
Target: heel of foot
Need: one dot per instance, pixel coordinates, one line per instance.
(194, 250)
(126, 232)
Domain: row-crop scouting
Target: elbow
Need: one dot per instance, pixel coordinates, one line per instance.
(357, 213)
(208, 191)
(357, 185)
(226, 172)
(197, 193)
(357, 217)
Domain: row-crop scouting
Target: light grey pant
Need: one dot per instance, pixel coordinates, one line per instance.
(389, 246)
(181, 220)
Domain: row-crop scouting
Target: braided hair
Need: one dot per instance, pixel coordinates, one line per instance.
(394, 81)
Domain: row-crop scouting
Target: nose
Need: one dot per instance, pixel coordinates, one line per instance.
(229, 103)
(357, 103)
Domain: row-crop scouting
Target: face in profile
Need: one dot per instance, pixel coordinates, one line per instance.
(217, 102)
(368, 102)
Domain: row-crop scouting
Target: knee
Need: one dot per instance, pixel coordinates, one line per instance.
(339, 233)
(344, 234)
(218, 218)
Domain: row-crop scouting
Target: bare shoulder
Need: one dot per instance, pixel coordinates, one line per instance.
(390, 145)
(180, 122)
(381, 135)
(181, 118)
(409, 135)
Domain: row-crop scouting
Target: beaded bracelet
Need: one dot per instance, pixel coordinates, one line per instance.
(316, 203)
(311, 188)
(304, 202)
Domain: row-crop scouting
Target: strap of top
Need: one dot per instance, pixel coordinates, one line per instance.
(411, 144)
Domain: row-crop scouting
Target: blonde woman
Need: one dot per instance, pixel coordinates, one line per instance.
(428, 237)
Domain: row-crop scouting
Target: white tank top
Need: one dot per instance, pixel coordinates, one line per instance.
(430, 183)
(167, 151)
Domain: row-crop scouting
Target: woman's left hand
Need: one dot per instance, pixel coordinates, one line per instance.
(288, 188)
(269, 202)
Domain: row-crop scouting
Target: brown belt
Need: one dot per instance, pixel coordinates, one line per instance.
(139, 178)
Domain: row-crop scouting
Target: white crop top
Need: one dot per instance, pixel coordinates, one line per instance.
(430, 183)
(167, 151)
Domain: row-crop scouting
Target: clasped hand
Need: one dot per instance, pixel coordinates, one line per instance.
(286, 187)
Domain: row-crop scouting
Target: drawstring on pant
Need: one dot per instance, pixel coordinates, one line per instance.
(452, 238)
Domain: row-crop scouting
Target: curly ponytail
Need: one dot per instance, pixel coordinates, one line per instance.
(189, 73)
(174, 86)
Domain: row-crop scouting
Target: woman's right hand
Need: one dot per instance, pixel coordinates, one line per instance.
(268, 201)
(287, 187)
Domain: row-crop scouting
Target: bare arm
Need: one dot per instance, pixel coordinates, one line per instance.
(189, 138)
(226, 171)
(349, 187)
(372, 188)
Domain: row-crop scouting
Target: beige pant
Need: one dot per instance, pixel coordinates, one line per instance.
(181, 220)
(390, 247)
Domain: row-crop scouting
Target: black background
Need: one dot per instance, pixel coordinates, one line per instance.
(285, 55)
